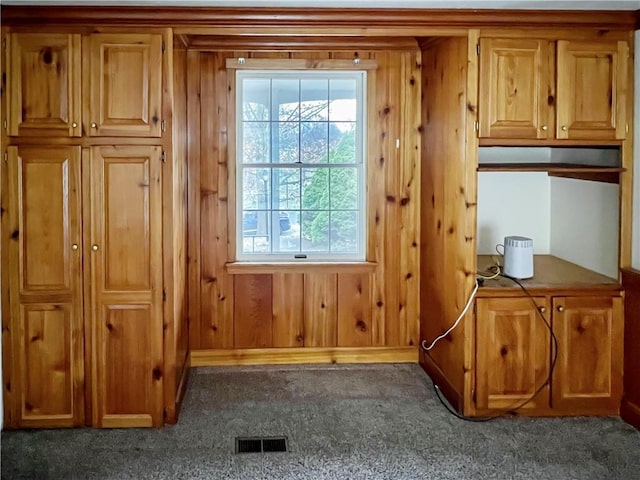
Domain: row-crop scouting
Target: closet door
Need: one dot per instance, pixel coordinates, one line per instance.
(46, 326)
(124, 244)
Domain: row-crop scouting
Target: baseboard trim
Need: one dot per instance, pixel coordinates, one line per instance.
(441, 380)
(630, 413)
(279, 356)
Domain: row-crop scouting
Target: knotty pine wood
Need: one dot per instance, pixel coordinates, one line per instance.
(391, 275)
(279, 356)
(588, 373)
(630, 409)
(44, 81)
(126, 285)
(252, 311)
(448, 206)
(354, 310)
(44, 335)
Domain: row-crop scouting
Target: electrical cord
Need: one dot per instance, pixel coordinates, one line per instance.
(554, 357)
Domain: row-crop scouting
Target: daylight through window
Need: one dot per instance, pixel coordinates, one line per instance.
(300, 165)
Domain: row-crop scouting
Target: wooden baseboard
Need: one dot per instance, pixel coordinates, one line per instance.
(440, 379)
(280, 356)
(630, 413)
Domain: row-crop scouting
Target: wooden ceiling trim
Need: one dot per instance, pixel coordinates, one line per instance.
(287, 18)
(298, 43)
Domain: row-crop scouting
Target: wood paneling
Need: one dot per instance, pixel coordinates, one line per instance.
(124, 82)
(308, 306)
(44, 288)
(630, 408)
(44, 81)
(448, 206)
(588, 373)
(125, 255)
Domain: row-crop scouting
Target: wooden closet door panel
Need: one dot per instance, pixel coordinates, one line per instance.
(44, 84)
(592, 84)
(45, 286)
(588, 373)
(516, 89)
(125, 85)
(512, 354)
(126, 277)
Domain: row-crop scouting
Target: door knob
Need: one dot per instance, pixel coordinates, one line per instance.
(564, 128)
(74, 246)
(74, 125)
(94, 248)
(544, 128)
(542, 309)
(94, 125)
(560, 308)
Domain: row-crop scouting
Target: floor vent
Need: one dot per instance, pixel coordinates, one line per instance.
(261, 444)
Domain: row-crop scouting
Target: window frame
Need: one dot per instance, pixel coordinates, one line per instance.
(360, 165)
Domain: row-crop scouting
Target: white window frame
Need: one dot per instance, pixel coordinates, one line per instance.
(361, 141)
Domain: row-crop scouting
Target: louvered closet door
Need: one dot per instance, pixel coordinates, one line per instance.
(46, 328)
(125, 248)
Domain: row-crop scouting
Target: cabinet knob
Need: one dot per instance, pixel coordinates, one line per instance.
(74, 246)
(94, 248)
(542, 309)
(544, 128)
(560, 308)
(564, 128)
(74, 125)
(94, 125)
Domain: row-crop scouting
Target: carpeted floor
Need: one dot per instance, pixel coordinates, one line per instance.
(342, 422)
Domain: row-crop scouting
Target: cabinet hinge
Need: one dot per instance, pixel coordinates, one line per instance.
(163, 125)
(626, 128)
(476, 126)
(6, 157)
(163, 47)
(477, 49)
(4, 124)
(164, 295)
(163, 157)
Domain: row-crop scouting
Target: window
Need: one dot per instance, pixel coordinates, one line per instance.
(300, 165)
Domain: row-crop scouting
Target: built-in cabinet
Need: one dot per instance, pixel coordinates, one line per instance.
(520, 367)
(542, 89)
(84, 229)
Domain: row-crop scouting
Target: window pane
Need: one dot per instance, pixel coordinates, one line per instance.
(342, 141)
(285, 142)
(255, 231)
(255, 99)
(313, 142)
(285, 97)
(314, 99)
(315, 188)
(255, 188)
(289, 230)
(342, 100)
(344, 188)
(315, 231)
(286, 183)
(255, 142)
(344, 231)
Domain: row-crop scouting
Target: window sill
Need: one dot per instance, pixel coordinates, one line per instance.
(236, 268)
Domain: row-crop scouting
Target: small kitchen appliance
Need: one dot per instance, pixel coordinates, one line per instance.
(518, 257)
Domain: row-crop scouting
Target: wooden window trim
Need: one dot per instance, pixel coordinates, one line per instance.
(237, 268)
(242, 63)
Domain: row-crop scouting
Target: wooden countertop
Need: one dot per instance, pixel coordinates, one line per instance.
(552, 275)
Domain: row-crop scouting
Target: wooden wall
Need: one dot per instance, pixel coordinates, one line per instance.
(318, 306)
(448, 214)
(630, 408)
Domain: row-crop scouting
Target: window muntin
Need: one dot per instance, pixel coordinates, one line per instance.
(300, 165)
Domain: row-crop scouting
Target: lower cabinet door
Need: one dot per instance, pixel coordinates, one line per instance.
(512, 354)
(124, 243)
(588, 374)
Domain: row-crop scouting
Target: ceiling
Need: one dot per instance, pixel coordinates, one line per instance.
(448, 4)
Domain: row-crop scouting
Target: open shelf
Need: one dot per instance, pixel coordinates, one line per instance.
(550, 273)
(581, 172)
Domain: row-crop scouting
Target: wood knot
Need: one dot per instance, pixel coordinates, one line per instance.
(214, 328)
(391, 199)
(408, 275)
(404, 201)
(504, 351)
(360, 325)
(110, 327)
(47, 56)
(15, 235)
(580, 329)
(379, 303)
(157, 373)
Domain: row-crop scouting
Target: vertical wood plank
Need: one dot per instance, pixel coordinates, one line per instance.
(288, 310)
(193, 198)
(252, 311)
(354, 310)
(320, 310)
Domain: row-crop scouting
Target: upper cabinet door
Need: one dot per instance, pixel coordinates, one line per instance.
(44, 84)
(125, 82)
(516, 88)
(592, 90)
